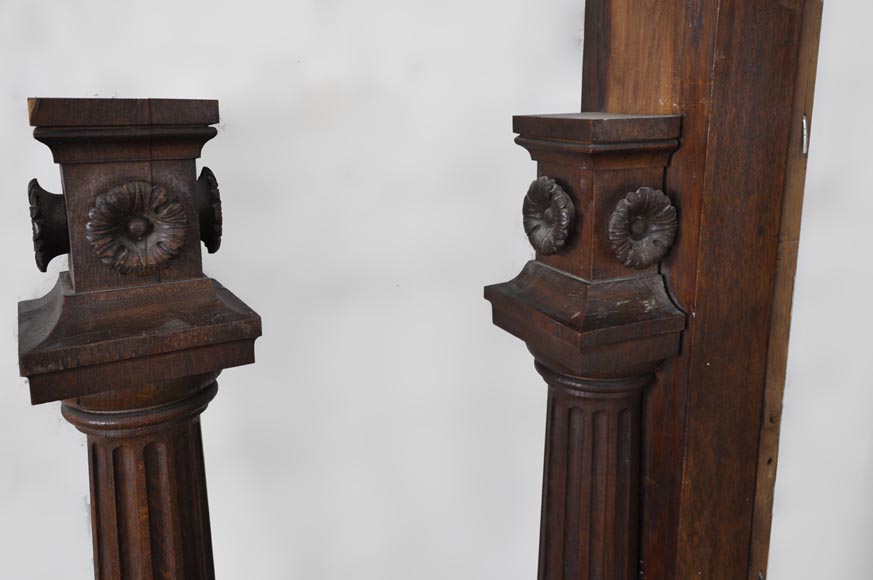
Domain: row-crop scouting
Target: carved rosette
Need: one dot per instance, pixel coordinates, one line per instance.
(548, 216)
(642, 228)
(209, 210)
(137, 228)
(48, 218)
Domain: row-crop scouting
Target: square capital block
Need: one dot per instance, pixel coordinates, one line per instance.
(597, 160)
(593, 302)
(135, 307)
(129, 184)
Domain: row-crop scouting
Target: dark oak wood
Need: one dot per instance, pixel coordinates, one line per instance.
(150, 515)
(48, 218)
(783, 291)
(592, 476)
(209, 210)
(740, 75)
(595, 313)
(68, 340)
(121, 113)
(133, 337)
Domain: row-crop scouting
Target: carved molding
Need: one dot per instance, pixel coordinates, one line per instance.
(137, 228)
(548, 216)
(642, 228)
(209, 210)
(48, 218)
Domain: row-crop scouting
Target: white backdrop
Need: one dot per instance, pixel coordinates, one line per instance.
(371, 188)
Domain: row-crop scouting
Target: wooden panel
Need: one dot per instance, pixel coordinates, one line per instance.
(754, 75)
(786, 265)
(683, 35)
(730, 69)
(690, 30)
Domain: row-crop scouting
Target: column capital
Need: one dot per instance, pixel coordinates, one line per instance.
(135, 307)
(593, 302)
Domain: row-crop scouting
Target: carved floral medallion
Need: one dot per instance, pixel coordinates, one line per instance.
(48, 218)
(548, 216)
(209, 208)
(137, 228)
(642, 228)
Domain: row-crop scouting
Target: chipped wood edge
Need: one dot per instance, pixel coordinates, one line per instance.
(783, 291)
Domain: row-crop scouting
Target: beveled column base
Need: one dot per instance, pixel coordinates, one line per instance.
(149, 509)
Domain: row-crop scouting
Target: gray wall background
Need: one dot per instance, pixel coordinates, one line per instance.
(371, 188)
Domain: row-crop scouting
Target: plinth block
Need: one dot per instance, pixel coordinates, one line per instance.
(76, 344)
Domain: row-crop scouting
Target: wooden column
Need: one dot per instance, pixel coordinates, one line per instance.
(741, 74)
(592, 476)
(133, 337)
(594, 311)
(150, 517)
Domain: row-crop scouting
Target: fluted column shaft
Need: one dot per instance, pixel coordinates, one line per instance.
(149, 509)
(591, 483)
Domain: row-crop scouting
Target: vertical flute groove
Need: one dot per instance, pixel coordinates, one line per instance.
(148, 505)
(545, 538)
(101, 545)
(96, 532)
(122, 515)
(572, 499)
(622, 487)
(203, 503)
(599, 460)
(554, 500)
(142, 529)
(175, 517)
(586, 495)
(591, 483)
(610, 476)
(189, 550)
(160, 508)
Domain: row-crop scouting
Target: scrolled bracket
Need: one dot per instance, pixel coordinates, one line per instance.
(48, 218)
(642, 228)
(549, 216)
(209, 210)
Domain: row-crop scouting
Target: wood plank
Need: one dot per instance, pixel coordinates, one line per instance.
(598, 127)
(753, 75)
(617, 74)
(730, 69)
(786, 266)
(52, 112)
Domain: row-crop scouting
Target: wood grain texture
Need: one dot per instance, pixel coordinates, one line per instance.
(598, 327)
(149, 510)
(590, 512)
(132, 338)
(599, 127)
(754, 75)
(730, 69)
(783, 291)
(64, 112)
